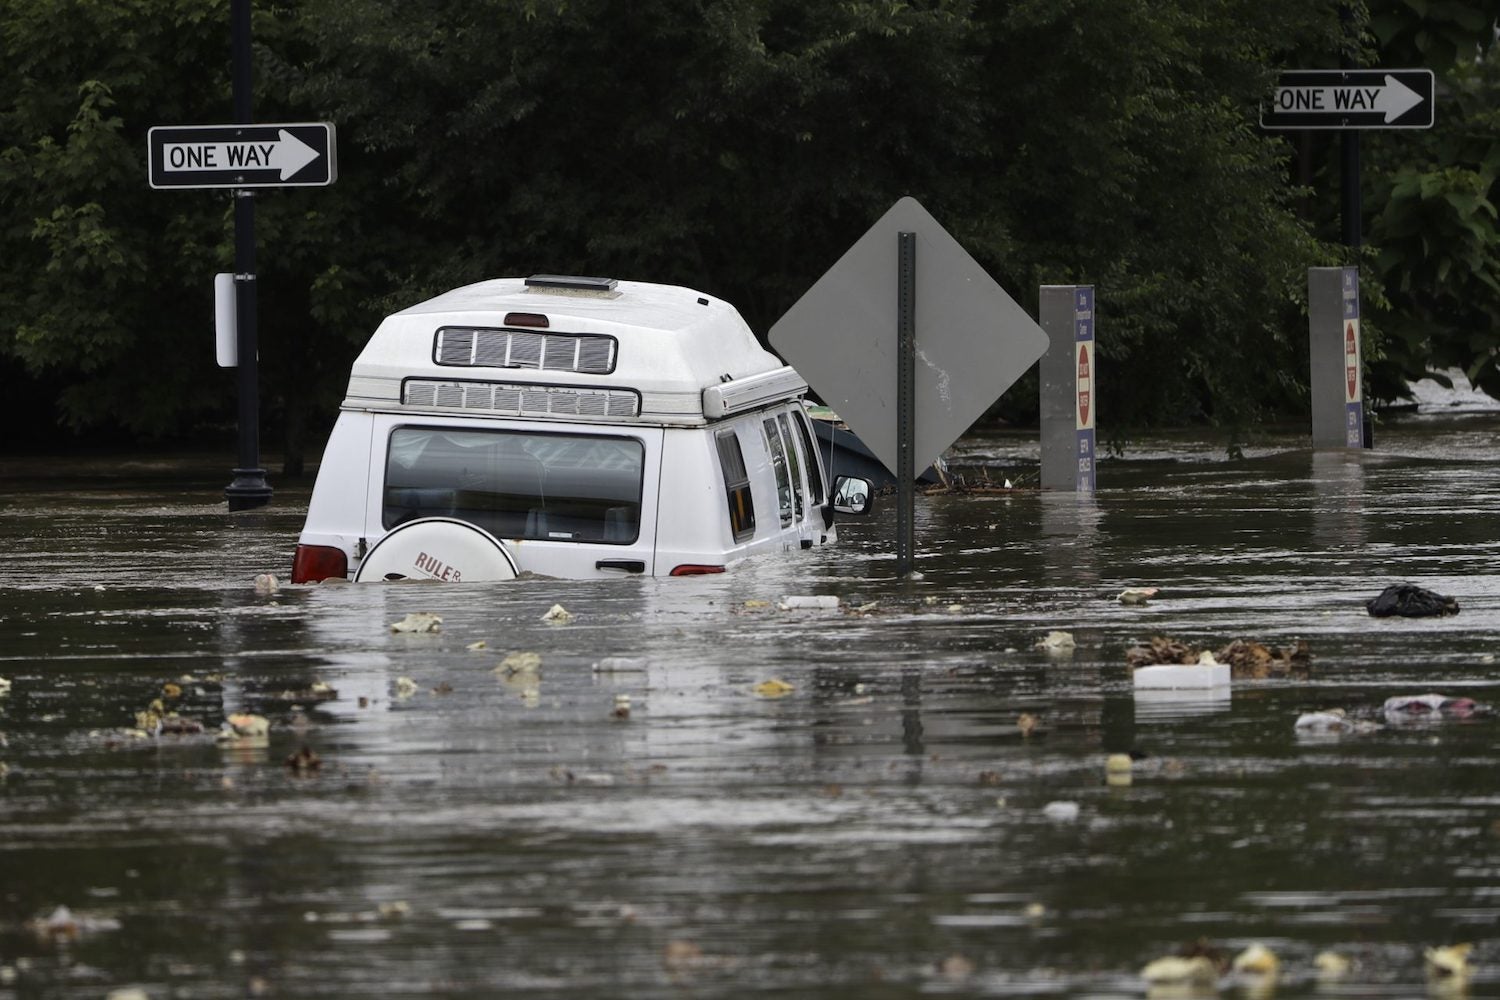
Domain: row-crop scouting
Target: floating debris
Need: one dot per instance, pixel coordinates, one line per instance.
(1137, 595)
(1256, 960)
(622, 706)
(476, 646)
(419, 621)
(1056, 642)
(621, 665)
(773, 688)
(1181, 969)
(170, 690)
(1448, 962)
(1118, 763)
(558, 615)
(815, 602)
(520, 663)
(1405, 600)
(1026, 723)
(4, 687)
(1246, 659)
(1331, 965)
(1206, 673)
(243, 726)
(62, 925)
(1061, 812)
(755, 604)
(1431, 708)
(266, 583)
(405, 688)
(304, 761)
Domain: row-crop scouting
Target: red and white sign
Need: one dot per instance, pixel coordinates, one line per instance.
(1351, 361)
(1085, 385)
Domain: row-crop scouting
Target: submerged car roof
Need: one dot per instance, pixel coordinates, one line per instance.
(663, 344)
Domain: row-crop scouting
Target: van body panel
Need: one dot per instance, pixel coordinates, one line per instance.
(632, 431)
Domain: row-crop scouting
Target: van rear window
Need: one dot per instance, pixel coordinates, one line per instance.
(517, 484)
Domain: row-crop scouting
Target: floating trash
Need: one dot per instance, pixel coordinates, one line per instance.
(1179, 969)
(1331, 965)
(520, 663)
(1406, 600)
(4, 687)
(419, 621)
(405, 688)
(773, 688)
(1061, 812)
(1431, 708)
(815, 602)
(1206, 673)
(266, 583)
(558, 615)
(1137, 595)
(1026, 723)
(243, 726)
(476, 646)
(622, 706)
(1448, 962)
(1056, 642)
(621, 665)
(1256, 960)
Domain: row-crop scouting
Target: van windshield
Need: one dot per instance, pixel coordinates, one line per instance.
(517, 484)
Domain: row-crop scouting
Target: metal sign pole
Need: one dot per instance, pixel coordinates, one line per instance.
(249, 488)
(906, 400)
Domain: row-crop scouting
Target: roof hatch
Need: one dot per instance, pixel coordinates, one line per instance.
(571, 283)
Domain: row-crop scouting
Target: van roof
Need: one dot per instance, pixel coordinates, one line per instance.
(662, 345)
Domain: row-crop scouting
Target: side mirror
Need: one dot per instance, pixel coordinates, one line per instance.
(852, 495)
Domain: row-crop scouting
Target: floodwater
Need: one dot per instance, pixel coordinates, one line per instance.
(886, 829)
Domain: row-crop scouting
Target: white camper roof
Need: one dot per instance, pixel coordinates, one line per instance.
(568, 347)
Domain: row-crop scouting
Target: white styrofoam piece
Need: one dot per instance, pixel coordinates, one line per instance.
(1180, 677)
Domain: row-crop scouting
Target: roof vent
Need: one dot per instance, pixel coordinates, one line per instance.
(571, 283)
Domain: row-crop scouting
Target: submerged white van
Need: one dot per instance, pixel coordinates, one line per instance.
(571, 427)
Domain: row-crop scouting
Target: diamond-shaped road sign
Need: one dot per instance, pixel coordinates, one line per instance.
(972, 340)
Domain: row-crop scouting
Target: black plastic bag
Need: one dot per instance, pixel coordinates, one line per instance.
(1410, 601)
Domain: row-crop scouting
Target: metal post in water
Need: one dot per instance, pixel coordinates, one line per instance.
(249, 488)
(906, 400)
(1069, 381)
(1335, 370)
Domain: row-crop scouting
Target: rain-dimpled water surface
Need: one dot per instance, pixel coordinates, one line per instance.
(926, 810)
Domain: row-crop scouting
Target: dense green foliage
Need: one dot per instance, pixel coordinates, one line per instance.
(737, 146)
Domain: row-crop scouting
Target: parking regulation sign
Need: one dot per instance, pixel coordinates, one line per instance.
(296, 154)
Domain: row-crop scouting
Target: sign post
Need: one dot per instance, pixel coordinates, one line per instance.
(969, 342)
(1333, 334)
(1069, 388)
(906, 401)
(242, 157)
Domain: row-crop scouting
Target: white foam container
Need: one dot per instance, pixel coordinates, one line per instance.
(1182, 677)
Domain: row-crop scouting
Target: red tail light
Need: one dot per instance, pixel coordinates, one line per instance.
(313, 563)
(695, 569)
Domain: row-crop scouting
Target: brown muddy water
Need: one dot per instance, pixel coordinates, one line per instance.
(883, 830)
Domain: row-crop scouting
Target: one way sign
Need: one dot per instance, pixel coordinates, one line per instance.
(298, 154)
(1345, 99)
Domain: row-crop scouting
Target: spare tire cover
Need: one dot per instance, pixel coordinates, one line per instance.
(437, 548)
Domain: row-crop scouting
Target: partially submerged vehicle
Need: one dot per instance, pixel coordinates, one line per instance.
(571, 427)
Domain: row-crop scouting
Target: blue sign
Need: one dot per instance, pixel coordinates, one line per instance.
(1354, 406)
(1083, 341)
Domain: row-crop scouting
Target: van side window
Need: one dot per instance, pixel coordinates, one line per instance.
(810, 449)
(544, 486)
(737, 485)
(778, 463)
(794, 456)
